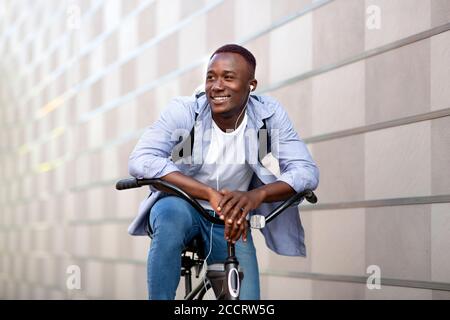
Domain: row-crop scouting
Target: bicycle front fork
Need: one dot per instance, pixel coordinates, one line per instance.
(232, 276)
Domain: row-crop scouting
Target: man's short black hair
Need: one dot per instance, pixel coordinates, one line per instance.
(247, 55)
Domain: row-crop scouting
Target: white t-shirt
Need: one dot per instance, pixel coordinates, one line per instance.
(224, 165)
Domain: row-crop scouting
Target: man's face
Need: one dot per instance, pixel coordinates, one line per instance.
(227, 83)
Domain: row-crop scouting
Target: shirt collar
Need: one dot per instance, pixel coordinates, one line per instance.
(256, 111)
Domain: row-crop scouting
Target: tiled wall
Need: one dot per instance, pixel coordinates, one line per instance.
(80, 80)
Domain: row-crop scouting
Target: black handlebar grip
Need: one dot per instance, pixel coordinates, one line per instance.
(127, 184)
(310, 196)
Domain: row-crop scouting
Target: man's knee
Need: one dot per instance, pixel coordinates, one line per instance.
(171, 213)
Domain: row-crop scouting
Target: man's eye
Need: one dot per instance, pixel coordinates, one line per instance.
(209, 77)
(229, 78)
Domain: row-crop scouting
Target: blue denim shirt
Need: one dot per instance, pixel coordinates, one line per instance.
(152, 158)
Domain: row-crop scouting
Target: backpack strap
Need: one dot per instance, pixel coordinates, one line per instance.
(268, 148)
(197, 96)
(192, 133)
(178, 151)
(267, 141)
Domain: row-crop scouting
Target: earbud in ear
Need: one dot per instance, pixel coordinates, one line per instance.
(252, 87)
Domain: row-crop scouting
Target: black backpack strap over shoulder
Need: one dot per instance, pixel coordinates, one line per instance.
(192, 133)
(256, 97)
(264, 129)
(178, 151)
(201, 93)
(267, 141)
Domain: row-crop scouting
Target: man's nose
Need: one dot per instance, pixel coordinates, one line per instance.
(217, 85)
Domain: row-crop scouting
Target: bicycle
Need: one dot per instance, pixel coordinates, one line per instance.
(224, 278)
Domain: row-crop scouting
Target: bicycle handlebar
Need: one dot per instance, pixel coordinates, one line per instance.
(256, 221)
(136, 183)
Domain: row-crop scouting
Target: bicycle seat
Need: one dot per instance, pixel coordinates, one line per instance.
(196, 246)
(192, 256)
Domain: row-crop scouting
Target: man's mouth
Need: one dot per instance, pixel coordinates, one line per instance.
(220, 99)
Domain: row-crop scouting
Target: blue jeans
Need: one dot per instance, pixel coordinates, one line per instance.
(174, 223)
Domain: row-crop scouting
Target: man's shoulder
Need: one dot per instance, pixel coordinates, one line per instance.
(269, 100)
(187, 101)
(267, 105)
(190, 103)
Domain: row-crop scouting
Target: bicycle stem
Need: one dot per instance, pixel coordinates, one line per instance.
(231, 249)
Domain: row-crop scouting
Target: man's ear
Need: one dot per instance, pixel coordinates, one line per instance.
(253, 85)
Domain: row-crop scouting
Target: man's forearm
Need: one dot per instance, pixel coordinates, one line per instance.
(189, 185)
(276, 191)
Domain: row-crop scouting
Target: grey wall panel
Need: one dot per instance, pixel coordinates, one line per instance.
(395, 20)
(440, 71)
(339, 94)
(440, 12)
(338, 31)
(398, 241)
(337, 290)
(342, 177)
(398, 83)
(440, 228)
(297, 100)
(397, 162)
(440, 156)
(398, 293)
(338, 242)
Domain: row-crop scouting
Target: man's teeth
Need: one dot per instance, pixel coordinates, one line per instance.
(220, 98)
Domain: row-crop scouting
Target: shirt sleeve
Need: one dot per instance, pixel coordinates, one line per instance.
(297, 167)
(151, 157)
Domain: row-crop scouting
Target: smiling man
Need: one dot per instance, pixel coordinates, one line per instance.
(223, 170)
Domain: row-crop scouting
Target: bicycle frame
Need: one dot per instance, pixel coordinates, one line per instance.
(231, 271)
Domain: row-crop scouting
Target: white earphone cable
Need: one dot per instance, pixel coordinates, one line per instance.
(210, 236)
(243, 109)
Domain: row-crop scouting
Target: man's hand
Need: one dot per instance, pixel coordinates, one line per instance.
(214, 198)
(234, 207)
